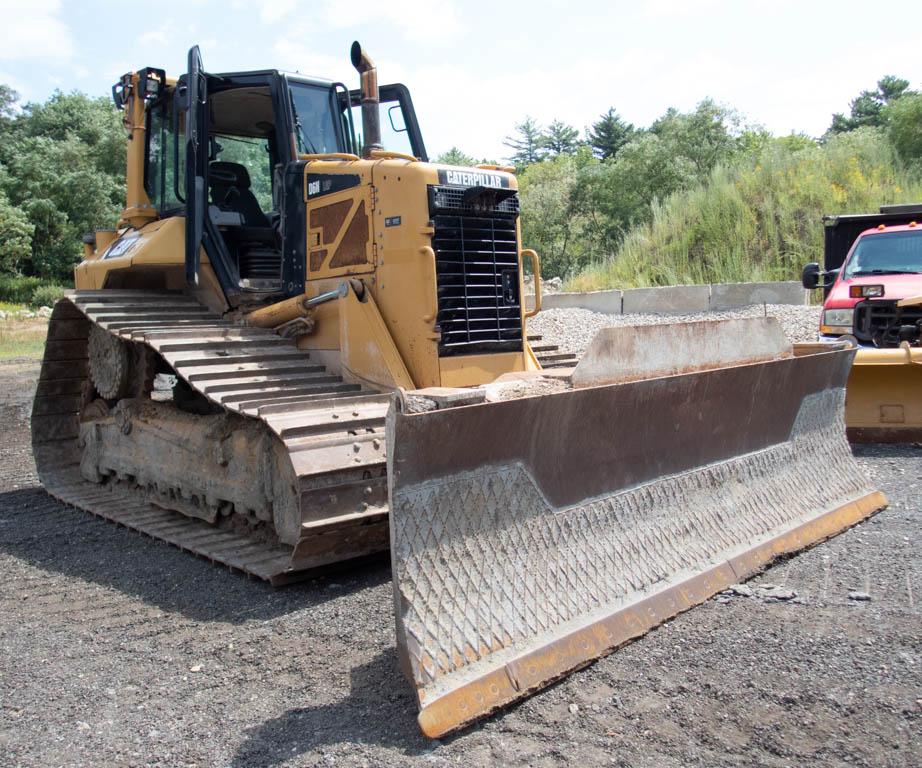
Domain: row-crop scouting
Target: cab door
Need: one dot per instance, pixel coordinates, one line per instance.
(196, 137)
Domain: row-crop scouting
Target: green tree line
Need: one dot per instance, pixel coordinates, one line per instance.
(695, 196)
(701, 196)
(62, 174)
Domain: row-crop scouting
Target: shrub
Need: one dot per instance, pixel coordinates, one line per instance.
(18, 289)
(757, 218)
(46, 295)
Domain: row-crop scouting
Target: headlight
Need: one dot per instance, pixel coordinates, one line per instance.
(837, 321)
(839, 317)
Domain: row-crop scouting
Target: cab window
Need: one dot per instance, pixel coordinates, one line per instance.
(164, 175)
(312, 117)
(395, 136)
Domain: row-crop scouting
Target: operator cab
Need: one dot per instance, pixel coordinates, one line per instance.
(233, 164)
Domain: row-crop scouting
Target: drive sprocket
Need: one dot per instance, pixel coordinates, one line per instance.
(110, 363)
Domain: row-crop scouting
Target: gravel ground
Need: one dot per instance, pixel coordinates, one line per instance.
(573, 329)
(118, 650)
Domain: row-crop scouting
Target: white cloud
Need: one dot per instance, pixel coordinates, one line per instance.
(36, 33)
(271, 11)
(157, 36)
(417, 20)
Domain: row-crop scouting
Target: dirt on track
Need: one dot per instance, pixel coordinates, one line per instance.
(119, 650)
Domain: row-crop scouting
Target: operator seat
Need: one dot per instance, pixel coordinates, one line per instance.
(230, 191)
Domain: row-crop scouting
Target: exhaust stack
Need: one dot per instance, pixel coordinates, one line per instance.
(371, 126)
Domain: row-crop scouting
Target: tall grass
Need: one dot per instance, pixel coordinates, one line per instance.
(759, 218)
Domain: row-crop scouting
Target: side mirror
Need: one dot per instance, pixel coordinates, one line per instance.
(810, 277)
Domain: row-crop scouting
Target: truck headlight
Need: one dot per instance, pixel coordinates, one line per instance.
(837, 321)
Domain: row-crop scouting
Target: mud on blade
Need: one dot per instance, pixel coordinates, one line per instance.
(533, 535)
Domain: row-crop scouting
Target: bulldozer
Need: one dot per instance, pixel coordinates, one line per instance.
(303, 344)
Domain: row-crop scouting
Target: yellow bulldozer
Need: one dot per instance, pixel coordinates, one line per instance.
(303, 344)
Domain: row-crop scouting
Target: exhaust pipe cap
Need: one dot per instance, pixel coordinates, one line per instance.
(356, 55)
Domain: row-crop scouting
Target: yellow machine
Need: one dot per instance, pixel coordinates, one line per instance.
(304, 344)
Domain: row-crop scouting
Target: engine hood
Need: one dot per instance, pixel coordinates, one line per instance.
(895, 287)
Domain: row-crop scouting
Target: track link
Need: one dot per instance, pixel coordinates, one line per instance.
(333, 431)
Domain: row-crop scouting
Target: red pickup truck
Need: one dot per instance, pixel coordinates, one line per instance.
(883, 267)
(873, 284)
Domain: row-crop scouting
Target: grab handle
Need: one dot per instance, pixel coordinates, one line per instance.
(429, 255)
(536, 268)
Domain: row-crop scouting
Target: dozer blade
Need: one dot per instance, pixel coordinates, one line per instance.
(883, 401)
(530, 536)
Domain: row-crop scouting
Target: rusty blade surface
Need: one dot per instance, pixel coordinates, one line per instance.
(531, 536)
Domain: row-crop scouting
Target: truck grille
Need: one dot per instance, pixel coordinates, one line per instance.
(477, 271)
(880, 320)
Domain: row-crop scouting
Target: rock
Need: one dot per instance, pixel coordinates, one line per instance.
(740, 590)
(573, 709)
(773, 592)
(196, 668)
(859, 597)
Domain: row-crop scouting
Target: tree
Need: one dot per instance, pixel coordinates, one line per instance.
(608, 134)
(560, 139)
(455, 156)
(550, 222)
(616, 194)
(15, 237)
(867, 109)
(62, 166)
(904, 126)
(701, 136)
(525, 143)
(8, 99)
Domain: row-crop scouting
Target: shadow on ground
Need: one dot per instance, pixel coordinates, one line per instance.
(886, 450)
(45, 533)
(379, 710)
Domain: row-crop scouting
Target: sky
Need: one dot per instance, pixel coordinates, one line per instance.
(476, 68)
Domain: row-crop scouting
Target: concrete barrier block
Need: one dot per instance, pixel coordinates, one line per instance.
(672, 299)
(734, 295)
(606, 302)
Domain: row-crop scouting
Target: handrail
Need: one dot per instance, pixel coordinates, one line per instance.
(329, 156)
(430, 254)
(386, 154)
(536, 268)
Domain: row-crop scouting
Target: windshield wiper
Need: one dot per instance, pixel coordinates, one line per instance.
(867, 272)
(302, 137)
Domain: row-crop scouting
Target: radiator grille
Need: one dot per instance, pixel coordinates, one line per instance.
(478, 281)
(880, 320)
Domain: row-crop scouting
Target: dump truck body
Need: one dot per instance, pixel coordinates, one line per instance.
(298, 348)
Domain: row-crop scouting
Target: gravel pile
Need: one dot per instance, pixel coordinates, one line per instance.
(573, 329)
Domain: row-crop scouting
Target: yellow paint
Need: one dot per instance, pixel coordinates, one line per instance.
(276, 314)
(138, 208)
(470, 370)
(356, 196)
(398, 272)
(368, 351)
(884, 389)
